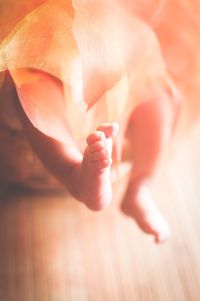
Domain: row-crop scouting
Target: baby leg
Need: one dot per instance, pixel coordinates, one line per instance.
(86, 176)
(149, 131)
(95, 184)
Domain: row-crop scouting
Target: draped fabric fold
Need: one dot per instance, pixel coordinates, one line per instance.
(108, 56)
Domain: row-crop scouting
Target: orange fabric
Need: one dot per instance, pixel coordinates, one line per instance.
(109, 55)
(176, 24)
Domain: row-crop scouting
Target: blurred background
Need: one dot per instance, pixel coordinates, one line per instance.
(53, 248)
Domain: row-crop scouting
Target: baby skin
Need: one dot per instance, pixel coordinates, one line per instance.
(94, 178)
(137, 202)
(87, 175)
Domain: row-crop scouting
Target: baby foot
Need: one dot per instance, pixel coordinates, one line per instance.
(95, 189)
(139, 205)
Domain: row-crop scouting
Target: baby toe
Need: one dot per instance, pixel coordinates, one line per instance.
(97, 146)
(100, 155)
(109, 129)
(95, 137)
(104, 163)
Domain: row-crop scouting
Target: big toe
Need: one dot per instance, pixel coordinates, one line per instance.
(109, 129)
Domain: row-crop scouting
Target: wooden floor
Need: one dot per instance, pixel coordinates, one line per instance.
(52, 248)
